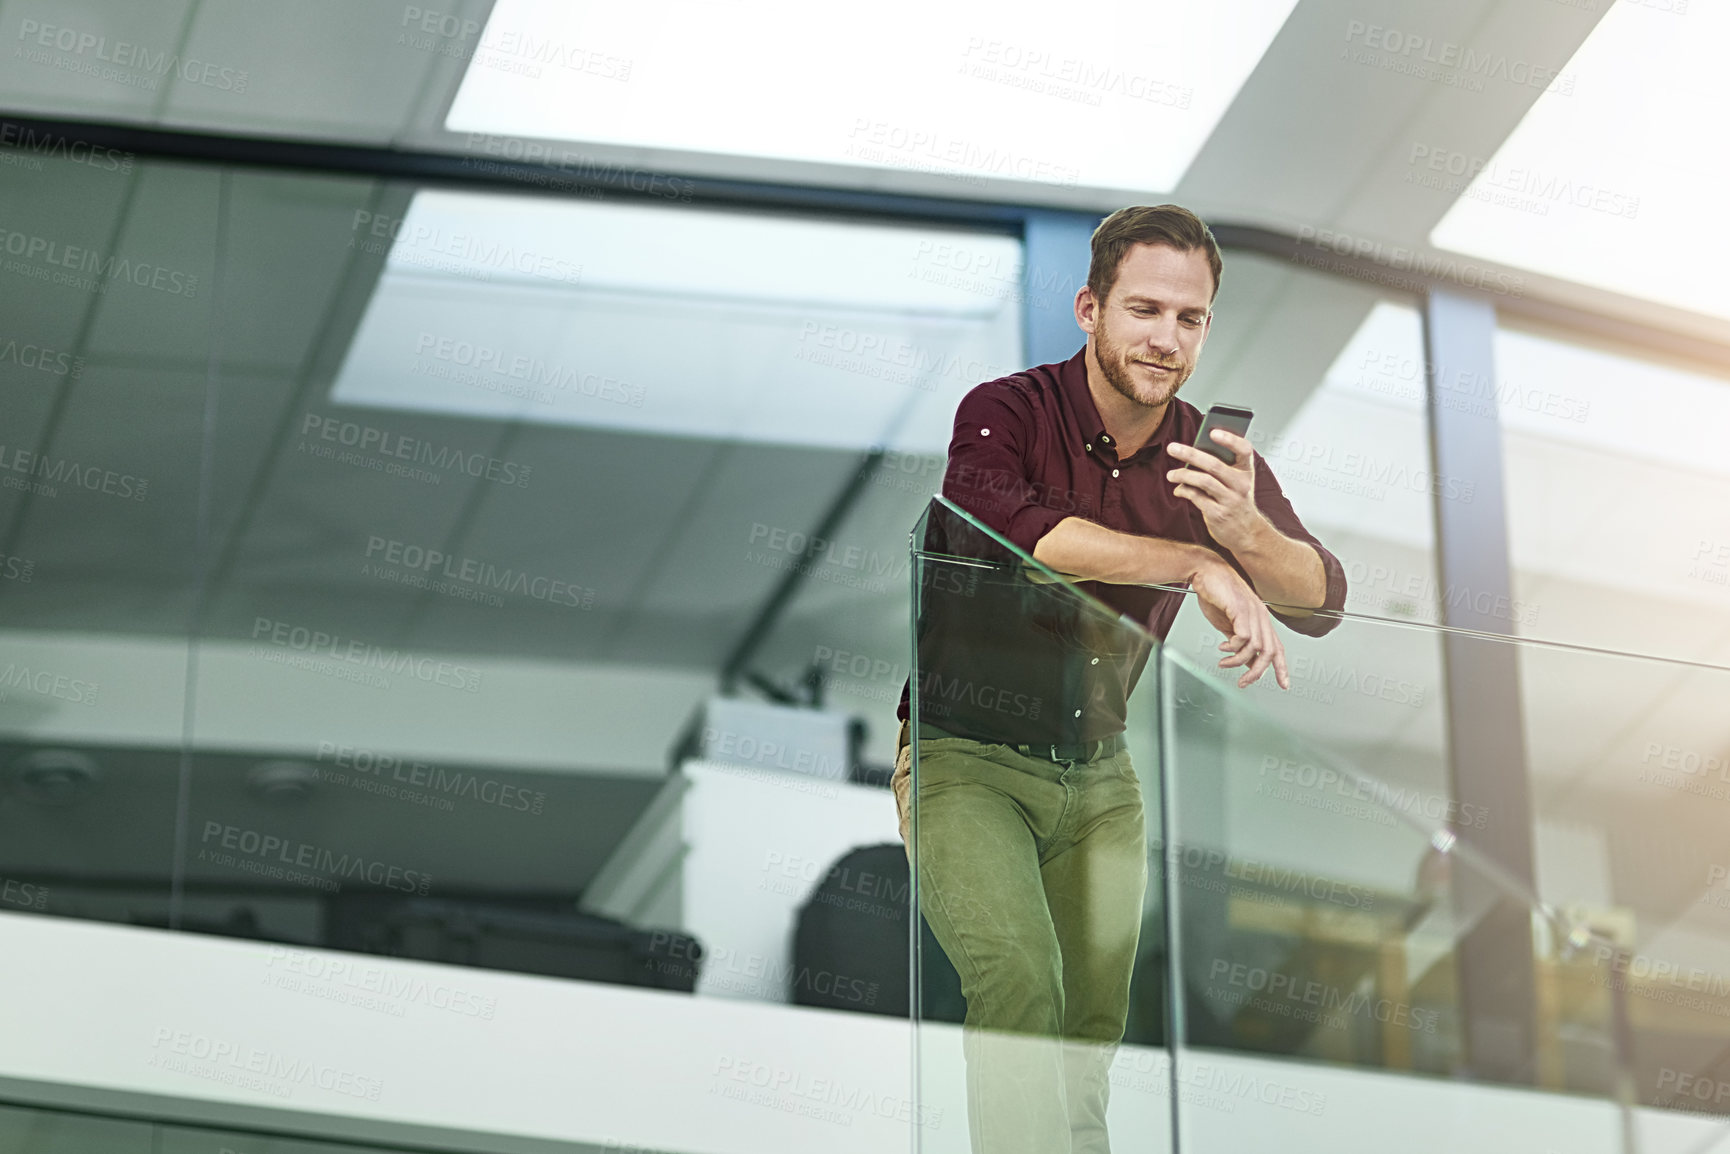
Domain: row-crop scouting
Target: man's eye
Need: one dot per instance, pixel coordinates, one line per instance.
(1192, 322)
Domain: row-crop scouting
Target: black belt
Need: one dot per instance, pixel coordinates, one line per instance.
(1070, 751)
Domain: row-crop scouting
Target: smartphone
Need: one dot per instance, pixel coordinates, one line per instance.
(1228, 417)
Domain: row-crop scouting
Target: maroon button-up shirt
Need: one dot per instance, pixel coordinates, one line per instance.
(1030, 449)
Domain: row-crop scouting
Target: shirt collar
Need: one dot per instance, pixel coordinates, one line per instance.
(1072, 379)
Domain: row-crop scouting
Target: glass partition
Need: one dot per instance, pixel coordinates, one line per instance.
(1314, 906)
(1344, 918)
(1041, 1019)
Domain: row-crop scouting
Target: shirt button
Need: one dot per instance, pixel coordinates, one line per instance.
(1078, 713)
(984, 432)
(1096, 661)
(1090, 448)
(1114, 472)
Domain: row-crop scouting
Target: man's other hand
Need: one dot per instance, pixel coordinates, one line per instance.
(1232, 607)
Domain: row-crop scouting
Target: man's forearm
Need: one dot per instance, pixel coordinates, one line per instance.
(1284, 572)
(1094, 553)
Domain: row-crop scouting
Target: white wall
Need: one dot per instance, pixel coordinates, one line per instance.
(388, 1048)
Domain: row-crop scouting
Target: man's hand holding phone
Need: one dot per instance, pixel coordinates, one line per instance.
(1218, 478)
(1224, 493)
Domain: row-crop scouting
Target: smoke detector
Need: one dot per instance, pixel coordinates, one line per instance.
(280, 781)
(54, 777)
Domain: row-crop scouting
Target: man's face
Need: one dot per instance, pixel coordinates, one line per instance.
(1147, 335)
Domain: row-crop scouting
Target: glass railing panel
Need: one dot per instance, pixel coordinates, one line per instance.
(1630, 765)
(1332, 912)
(1040, 1022)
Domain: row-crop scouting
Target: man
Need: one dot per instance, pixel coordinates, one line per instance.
(1032, 855)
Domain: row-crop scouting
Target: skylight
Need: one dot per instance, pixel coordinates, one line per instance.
(1618, 184)
(1119, 96)
(685, 322)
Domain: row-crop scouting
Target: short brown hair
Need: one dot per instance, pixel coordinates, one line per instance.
(1167, 224)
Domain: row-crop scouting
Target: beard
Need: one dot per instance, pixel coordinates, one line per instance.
(1119, 367)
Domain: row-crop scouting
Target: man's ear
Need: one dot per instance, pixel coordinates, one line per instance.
(1086, 310)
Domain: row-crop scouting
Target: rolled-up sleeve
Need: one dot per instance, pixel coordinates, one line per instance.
(991, 465)
(1271, 500)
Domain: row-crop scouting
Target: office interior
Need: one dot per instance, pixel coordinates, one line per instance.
(457, 574)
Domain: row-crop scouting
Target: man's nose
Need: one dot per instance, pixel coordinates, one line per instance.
(1163, 338)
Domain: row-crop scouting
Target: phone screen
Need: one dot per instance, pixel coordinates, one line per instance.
(1228, 417)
